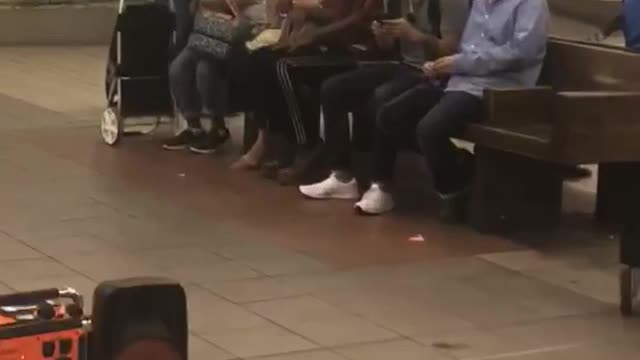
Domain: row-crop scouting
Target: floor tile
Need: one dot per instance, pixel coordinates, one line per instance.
(395, 349)
(4, 289)
(251, 290)
(268, 339)
(14, 250)
(404, 315)
(16, 272)
(177, 258)
(304, 355)
(200, 349)
(320, 322)
(109, 265)
(211, 314)
(216, 272)
(271, 260)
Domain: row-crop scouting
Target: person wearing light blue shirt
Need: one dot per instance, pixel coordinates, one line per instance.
(631, 10)
(503, 46)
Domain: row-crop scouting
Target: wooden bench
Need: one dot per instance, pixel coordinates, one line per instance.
(585, 112)
(582, 113)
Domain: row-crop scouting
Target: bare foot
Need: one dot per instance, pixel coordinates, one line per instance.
(245, 163)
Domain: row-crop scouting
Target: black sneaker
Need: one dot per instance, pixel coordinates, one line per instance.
(211, 142)
(453, 205)
(180, 141)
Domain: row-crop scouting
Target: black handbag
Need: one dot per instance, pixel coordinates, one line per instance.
(218, 33)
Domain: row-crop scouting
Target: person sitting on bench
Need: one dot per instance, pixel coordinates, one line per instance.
(632, 24)
(326, 29)
(435, 32)
(198, 84)
(503, 46)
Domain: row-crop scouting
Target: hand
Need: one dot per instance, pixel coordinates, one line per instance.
(283, 6)
(402, 29)
(383, 38)
(444, 66)
(297, 17)
(427, 69)
(306, 36)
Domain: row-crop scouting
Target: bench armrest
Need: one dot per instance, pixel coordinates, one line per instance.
(596, 110)
(597, 125)
(523, 105)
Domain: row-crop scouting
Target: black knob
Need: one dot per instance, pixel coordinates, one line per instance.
(46, 311)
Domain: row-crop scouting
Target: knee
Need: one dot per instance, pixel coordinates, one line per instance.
(203, 72)
(425, 133)
(383, 117)
(330, 91)
(177, 69)
(380, 98)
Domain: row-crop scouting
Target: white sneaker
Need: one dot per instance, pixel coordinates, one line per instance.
(331, 188)
(375, 201)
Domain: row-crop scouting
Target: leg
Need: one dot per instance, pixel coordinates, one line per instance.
(434, 131)
(340, 94)
(182, 81)
(395, 126)
(212, 88)
(260, 75)
(310, 71)
(396, 123)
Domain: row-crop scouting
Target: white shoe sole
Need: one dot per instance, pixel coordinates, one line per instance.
(202, 152)
(343, 196)
(361, 211)
(331, 197)
(174, 148)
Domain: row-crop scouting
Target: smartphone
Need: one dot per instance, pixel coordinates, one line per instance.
(382, 18)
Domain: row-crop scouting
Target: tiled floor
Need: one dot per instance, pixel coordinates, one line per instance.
(268, 274)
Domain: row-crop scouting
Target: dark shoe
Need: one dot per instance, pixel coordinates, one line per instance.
(181, 141)
(303, 165)
(270, 169)
(453, 205)
(454, 195)
(209, 143)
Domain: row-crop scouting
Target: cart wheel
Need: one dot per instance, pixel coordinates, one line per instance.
(111, 126)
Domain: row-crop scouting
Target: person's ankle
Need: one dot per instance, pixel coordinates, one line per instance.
(196, 130)
(384, 185)
(343, 176)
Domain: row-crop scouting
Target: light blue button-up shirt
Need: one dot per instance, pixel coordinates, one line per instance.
(503, 46)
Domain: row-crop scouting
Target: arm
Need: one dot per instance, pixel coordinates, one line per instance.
(525, 48)
(364, 12)
(454, 15)
(322, 14)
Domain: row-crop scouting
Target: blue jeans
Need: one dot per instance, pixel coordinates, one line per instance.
(199, 86)
(447, 118)
(402, 123)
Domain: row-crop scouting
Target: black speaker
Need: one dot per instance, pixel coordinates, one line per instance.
(139, 318)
